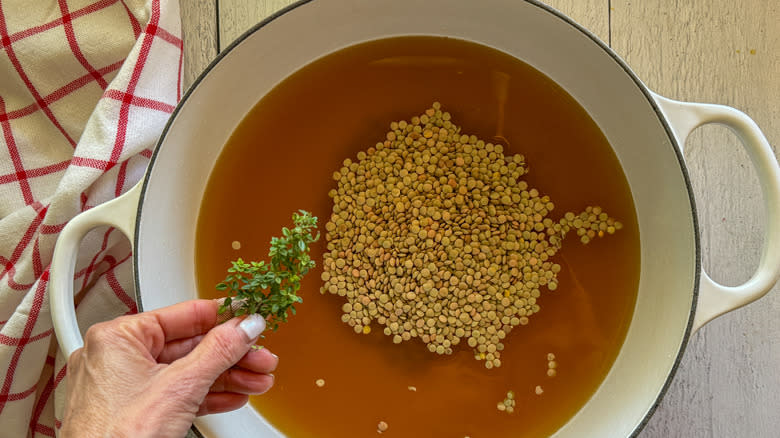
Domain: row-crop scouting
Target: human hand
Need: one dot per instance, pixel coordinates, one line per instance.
(151, 374)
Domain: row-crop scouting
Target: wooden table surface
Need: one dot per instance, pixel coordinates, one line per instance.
(720, 51)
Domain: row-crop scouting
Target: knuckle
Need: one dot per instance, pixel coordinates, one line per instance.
(223, 347)
(97, 333)
(189, 387)
(125, 325)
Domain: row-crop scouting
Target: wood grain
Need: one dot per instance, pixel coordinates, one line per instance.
(236, 16)
(199, 30)
(699, 50)
(591, 14)
(712, 51)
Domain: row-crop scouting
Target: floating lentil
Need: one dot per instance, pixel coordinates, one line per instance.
(551, 365)
(382, 427)
(235, 245)
(538, 390)
(435, 235)
(320, 382)
(508, 404)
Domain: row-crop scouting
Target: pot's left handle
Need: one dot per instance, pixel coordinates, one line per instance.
(716, 299)
(119, 213)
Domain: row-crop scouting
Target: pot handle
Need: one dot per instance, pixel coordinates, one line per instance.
(716, 299)
(119, 213)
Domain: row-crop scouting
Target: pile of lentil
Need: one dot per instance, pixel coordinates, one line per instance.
(435, 235)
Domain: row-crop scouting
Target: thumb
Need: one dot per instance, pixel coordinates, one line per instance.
(224, 345)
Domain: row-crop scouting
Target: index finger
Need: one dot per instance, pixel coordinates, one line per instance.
(186, 319)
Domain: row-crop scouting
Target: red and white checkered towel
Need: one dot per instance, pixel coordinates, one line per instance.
(86, 87)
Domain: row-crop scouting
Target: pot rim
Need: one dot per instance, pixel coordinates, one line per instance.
(607, 49)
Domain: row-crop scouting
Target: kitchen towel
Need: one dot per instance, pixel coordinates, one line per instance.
(86, 88)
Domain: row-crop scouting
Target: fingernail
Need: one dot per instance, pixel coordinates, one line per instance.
(253, 325)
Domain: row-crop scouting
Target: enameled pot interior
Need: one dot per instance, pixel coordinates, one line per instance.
(612, 96)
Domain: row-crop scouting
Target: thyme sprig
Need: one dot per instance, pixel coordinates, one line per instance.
(270, 289)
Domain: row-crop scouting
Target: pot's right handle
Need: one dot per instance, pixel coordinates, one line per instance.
(120, 213)
(716, 299)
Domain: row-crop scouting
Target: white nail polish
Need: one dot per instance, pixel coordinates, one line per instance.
(253, 325)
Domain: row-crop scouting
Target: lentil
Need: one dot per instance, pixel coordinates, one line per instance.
(551, 365)
(508, 404)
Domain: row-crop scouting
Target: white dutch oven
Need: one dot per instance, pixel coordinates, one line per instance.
(647, 132)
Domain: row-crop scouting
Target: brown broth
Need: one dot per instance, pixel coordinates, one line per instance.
(280, 159)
